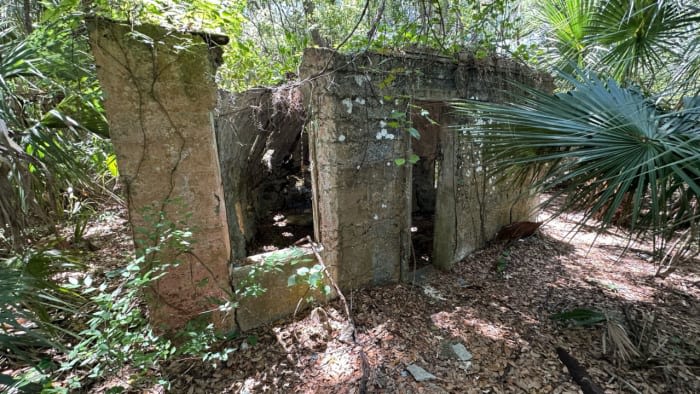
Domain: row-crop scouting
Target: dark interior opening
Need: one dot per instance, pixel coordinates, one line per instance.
(283, 201)
(425, 118)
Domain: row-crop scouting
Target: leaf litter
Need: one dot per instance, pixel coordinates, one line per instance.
(497, 310)
(502, 318)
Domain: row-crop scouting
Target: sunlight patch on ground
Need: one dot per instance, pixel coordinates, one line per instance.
(455, 322)
(338, 365)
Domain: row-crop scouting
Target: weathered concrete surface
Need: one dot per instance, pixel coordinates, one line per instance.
(159, 97)
(271, 271)
(362, 199)
(259, 138)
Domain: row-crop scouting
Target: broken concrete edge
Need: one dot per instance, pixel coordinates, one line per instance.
(212, 39)
(364, 61)
(271, 286)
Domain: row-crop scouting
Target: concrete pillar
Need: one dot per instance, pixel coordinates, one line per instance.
(159, 96)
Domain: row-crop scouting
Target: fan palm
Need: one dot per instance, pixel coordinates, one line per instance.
(39, 155)
(630, 40)
(641, 34)
(568, 23)
(608, 149)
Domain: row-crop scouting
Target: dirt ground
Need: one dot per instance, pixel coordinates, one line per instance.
(497, 303)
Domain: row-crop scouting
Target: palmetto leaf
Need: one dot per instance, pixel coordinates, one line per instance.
(568, 22)
(686, 77)
(640, 33)
(17, 59)
(609, 149)
(28, 296)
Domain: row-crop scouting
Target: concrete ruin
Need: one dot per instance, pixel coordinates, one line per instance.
(361, 155)
(159, 97)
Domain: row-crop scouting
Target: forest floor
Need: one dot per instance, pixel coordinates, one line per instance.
(497, 303)
(502, 318)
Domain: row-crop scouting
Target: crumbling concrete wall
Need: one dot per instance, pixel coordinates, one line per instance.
(261, 155)
(159, 98)
(361, 112)
(362, 198)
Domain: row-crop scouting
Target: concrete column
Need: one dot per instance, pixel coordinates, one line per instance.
(159, 96)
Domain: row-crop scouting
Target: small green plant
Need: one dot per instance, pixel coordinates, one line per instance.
(399, 121)
(313, 276)
(79, 212)
(117, 337)
(502, 262)
(580, 316)
(616, 339)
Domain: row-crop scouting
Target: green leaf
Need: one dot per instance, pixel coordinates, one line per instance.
(303, 271)
(581, 316)
(111, 163)
(400, 161)
(397, 115)
(291, 280)
(414, 133)
(414, 158)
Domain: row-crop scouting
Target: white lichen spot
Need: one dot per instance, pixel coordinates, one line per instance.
(381, 101)
(341, 138)
(382, 124)
(384, 134)
(358, 167)
(383, 205)
(396, 102)
(360, 100)
(267, 158)
(361, 79)
(348, 105)
(388, 163)
(375, 217)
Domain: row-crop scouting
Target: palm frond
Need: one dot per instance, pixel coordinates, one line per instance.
(29, 298)
(640, 34)
(568, 24)
(609, 149)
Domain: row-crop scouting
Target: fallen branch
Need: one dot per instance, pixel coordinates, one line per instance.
(623, 381)
(579, 373)
(364, 364)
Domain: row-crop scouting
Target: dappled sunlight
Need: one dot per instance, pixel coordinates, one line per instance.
(456, 321)
(338, 365)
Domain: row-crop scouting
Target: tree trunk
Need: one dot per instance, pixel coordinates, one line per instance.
(27, 9)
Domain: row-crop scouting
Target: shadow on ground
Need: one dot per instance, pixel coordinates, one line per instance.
(497, 303)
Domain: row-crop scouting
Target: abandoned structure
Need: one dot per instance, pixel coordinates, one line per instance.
(363, 155)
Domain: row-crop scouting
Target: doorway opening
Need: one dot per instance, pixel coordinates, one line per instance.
(425, 117)
(283, 201)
